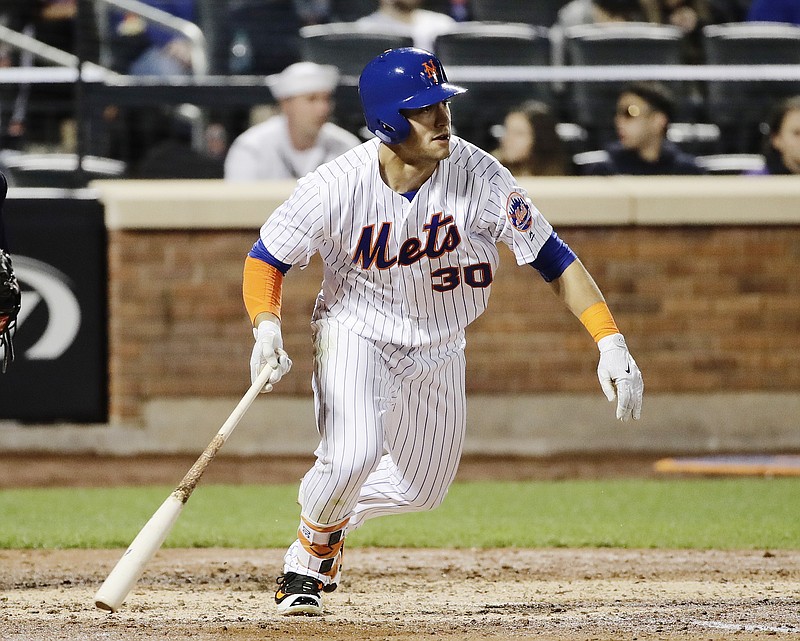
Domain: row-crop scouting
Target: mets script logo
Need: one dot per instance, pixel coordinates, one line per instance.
(44, 286)
(375, 251)
(518, 211)
(431, 71)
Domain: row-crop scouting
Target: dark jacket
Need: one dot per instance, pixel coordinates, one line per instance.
(774, 11)
(673, 161)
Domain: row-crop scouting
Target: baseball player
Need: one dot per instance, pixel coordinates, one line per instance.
(407, 226)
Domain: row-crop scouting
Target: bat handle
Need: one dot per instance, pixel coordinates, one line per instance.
(192, 477)
(246, 401)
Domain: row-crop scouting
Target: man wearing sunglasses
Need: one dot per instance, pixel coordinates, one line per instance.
(644, 111)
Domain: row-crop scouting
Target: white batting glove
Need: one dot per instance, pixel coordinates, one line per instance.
(268, 352)
(620, 377)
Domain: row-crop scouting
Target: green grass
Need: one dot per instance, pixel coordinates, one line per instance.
(737, 513)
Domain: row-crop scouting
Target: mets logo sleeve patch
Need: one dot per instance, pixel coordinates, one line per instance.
(518, 211)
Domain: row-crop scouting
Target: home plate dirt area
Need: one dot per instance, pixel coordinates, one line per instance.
(396, 594)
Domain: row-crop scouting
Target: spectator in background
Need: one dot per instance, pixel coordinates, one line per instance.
(175, 155)
(13, 101)
(55, 23)
(644, 111)
(313, 11)
(264, 34)
(300, 138)
(782, 143)
(579, 12)
(775, 11)
(690, 16)
(406, 17)
(216, 141)
(530, 145)
(144, 48)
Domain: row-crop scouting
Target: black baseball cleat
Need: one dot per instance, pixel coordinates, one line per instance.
(298, 594)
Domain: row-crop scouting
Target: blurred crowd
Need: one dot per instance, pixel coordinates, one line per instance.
(300, 126)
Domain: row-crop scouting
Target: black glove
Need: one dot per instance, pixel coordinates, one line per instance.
(9, 308)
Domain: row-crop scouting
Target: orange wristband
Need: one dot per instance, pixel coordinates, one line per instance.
(598, 321)
(262, 285)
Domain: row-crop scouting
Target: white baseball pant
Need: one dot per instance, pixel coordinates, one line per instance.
(392, 421)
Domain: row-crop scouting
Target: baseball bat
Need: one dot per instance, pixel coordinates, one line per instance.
(149, 539)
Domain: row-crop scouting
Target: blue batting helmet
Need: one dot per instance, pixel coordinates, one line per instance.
(405, 78)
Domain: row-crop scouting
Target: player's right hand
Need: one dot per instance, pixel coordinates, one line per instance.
(268, 352)
(620, 377)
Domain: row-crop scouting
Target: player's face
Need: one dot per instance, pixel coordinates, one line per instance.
(518, 138)
(787, 140)
(430, 132)
(307, 113)
(636, 122)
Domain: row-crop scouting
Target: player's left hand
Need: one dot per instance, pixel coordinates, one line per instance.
(268, 352)
(620, 377)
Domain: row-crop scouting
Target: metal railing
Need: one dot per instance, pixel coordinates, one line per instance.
(49, 54)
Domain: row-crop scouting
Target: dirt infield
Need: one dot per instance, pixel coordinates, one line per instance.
(393, 594)
(396, 594)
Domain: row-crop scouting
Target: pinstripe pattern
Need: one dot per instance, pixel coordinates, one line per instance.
(330, 208)
(395, 444)
(401, 282)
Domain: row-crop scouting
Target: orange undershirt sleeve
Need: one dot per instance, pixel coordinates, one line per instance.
(598, 321)
(261, 288)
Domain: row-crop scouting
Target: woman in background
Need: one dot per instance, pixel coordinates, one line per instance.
(530, 145)
(782, 145)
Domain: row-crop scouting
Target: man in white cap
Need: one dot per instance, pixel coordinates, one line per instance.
(298, 139)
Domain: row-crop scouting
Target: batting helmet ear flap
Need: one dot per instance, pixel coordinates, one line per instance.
(389, 133)
(385, 137)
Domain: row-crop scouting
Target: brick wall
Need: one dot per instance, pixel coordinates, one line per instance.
(705, 309)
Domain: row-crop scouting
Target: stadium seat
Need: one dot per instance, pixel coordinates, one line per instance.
(485, 44)
(738, 107)
(716, 164)
(535, 12)
(59, 170)
(695, 137)
(349, 47)
(586, 160)
(591, 103)
(735, 164)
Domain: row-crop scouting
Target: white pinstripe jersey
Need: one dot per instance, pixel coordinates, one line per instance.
(409, 273)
